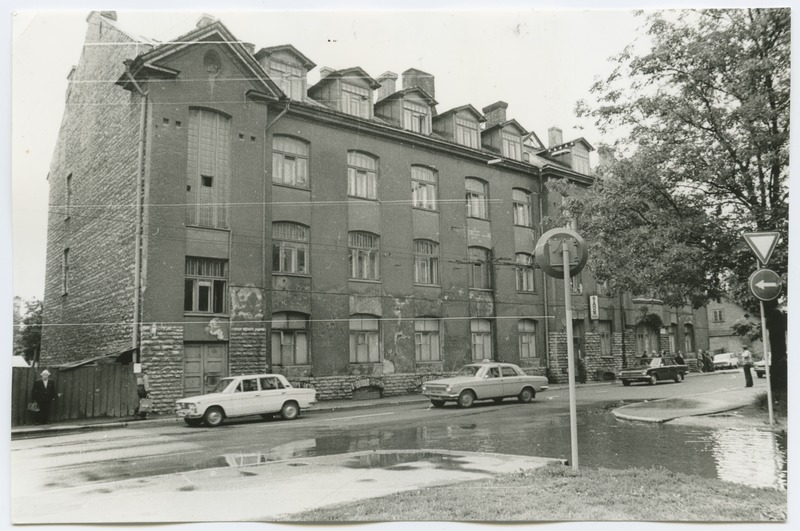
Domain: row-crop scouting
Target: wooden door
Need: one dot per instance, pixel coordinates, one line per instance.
(203, 366)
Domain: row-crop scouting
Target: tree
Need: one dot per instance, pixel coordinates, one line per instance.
(702, 158)
(29, 333)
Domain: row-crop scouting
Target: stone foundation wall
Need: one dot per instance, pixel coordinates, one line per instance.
(162, 361)
(247, 350)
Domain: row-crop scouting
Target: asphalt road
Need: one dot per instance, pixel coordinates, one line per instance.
(103, 462)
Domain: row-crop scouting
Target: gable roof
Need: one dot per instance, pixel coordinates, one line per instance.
(307, 63)
(355, 71)
(402, 93)
(534, 138)
(466, 107)
(566, 145)
(512, 122)
(215, 32)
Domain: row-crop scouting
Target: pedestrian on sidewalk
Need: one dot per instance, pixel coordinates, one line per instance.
(143, 392)
(679, 359)
(747, 363)
(44, 392)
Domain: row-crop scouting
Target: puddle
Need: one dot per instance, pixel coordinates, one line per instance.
(400, 460)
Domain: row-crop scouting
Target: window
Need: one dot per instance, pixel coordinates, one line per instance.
(68, 199)
(647, 340)
(718, 316)
(426, 262)
(289, 339)
(208, 169)
(65, 272)
(205, 285)
(364, 339)
(688, 338)
(476, 199)
(364, 259)
(480, 274)
(290, 78)
(580, 160)
(271, 383)
(247, 385)
(416, 117)
(362, 175)
(467, 132)
(575, 284)
(526, 331)
(481, 330)
(512, 147)
(604, 331)
(423, 187)
(521, 202)
(356, 100)
(426, 340)
(524, 271)
(290, 248)
(289, 161)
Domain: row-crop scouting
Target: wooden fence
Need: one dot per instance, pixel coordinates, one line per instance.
(106, 390)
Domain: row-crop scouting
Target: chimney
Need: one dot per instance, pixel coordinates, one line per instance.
(417, 78)
(495, 113)
(250, 47)
(388, 81)
(555, 136)
(206, 20)
(325, 72)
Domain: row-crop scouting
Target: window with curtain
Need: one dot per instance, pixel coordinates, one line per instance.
(426, 262)
(521, 203)
(290, 161)
(481, 332)
(289, 339)
(467, 132)
(511, 145)
(290, 248)
(362, 175)
(526, 331)
(356, 100)
(423, 187)
(364, 256)
(477, 196)
(416, 117)
(524, 272)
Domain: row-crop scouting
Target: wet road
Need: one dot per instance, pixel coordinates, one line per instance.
(540, 428)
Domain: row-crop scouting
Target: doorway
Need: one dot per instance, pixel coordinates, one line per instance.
(203, 366)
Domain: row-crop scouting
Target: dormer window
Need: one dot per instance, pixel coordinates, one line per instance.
(580, 160)
(291, 79)
(511, 146)
(416, 117)
(355, 100)
(467, 132)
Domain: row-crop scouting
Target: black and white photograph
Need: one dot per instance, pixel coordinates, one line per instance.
(345, 264)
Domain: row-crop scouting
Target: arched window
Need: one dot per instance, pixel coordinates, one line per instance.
(290, 248)
(477, 196)
(481, 332)
(364, 256)
(362, 175)
(480, 271)
(364, 338)
(290, 161)
(526, 331)
(208, 169)
(521, 201)
(426, 339)
(524, 271)
(426, 262)
(423, 187)
(289, 338)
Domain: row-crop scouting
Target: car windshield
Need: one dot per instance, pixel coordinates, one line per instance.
(648, 362)
(468, 370)
(221, 385)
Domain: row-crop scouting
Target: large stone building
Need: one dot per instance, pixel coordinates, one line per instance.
(723, 314)
(216, 215)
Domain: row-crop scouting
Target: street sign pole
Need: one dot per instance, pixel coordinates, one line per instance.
(767, 361)
(573, 420)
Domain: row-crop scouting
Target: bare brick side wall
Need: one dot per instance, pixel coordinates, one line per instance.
(98, 146)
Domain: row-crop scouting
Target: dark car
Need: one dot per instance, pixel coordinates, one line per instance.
(652, 371)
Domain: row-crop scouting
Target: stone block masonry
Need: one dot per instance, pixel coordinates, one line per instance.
(162, 361)
(247, 350)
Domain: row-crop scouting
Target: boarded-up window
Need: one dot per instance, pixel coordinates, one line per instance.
(208, 176)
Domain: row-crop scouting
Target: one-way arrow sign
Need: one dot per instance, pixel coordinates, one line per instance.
(762, 243)
(765, 284)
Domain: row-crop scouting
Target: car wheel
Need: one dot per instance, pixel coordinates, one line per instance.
(526, 395)
(213, 417)
(653, 379)
(193, 422)
(626, 383)
(678, 378)
(497, 400)
(437, 403)
(290, 411)
(466, 399)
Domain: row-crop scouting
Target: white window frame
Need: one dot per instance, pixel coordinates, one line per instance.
(290, 339)
(208, 169)
(290, 252)
(365, 338)
(526, 332)
(208, 280)
(417, 117)
(356, 100)
(427, 344)
(467, 132)
(362, 175)
(481, 339)
(477, 198)
(511, 145)
(606, 342)
(424, 185)
(364, 255)
(480, 268)
(426, 262)
(526, 281)
(290, 161)
(580, 160)
(522, 204)
(290, 78)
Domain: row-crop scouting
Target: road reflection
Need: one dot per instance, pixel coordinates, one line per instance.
(750, 457)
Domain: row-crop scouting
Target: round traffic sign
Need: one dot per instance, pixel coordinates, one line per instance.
(765, 284)
(548, 252)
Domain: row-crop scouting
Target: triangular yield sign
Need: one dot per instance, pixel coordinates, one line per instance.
(762, 243)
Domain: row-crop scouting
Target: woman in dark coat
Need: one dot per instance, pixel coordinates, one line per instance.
(44, 392)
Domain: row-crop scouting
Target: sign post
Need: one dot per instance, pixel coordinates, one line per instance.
(765, 285)
(573, 255)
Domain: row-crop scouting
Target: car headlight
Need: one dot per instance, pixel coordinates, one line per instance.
(448, 388)
(424, 388)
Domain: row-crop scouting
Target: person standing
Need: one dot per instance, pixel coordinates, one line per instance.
(747, 363)
(44, 392)
(679, 359)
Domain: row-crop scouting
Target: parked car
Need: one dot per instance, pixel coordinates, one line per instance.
(652, 371)
(761, 368)
(240, 396)
(483, 381)
(727, 360)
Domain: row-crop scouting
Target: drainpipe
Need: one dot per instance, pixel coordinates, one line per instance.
(622, 319)
(135, 337)
(544, 279)
(264, 184)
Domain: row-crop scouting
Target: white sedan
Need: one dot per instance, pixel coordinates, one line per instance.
(484, 380)
(241, 396)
